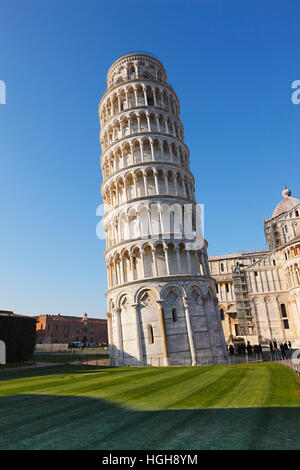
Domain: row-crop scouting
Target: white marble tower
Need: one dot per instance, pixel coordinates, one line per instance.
(162, 305)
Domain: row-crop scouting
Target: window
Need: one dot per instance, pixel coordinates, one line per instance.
(227, 287)
(150, 334)
(284, 316)
(217, 288)
(255, 273)
(222, 267)
(286, 324)
(174, 314)
(283, 311)
(222, 314)
(274, 262)
(132, 73)
(296, 213)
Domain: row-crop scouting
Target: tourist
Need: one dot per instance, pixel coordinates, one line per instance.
(282, 350)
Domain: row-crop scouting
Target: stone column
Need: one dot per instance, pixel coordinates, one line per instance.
(188, 255)
(189, 331)
(145, 96)
(167, 127)
(166, 182)
(116, 266)
(132, 267)
(135, 96)
(145, 183)
(154, 96)
(122, 271)
(204, 265)
(149, 222)
(117, 312)
(183, 188)
(167, 261)
(110, 338)
(178, 260)
(156, 181)
(139, 350)
(157, 123)
(163, 332)
(152, 151)
(148, 122)
(173, 128)
(142, 150)
(161, 146)
(135, 186)
(143, 263)
(154, 262)
(175, 185)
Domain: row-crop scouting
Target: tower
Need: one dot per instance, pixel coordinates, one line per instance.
(162, 305)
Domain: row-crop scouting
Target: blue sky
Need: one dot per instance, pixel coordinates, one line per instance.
(231, 63)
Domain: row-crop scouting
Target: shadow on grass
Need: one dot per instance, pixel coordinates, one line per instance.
(69, 422)
(11, 374)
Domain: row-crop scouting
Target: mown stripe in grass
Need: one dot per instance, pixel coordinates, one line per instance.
(163, 394)
(54, 382)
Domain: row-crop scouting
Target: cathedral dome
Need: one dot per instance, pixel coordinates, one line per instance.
(288, 202)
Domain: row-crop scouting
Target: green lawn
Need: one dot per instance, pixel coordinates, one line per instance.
(250, 406)
(67, 357)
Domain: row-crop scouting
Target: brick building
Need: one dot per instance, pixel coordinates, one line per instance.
(66, 329)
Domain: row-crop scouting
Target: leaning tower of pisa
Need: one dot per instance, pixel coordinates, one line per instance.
(162, 305)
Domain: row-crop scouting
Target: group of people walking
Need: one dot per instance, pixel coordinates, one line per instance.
(284, 348)
(241, 349)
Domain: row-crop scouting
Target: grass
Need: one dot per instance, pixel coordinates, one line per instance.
(13, 365)
(249, 406)
(66, 358)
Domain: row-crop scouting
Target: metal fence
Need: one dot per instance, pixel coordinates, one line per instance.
(264, 356)
(291, 364)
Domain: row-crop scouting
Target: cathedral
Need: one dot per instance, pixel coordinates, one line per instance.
(162, 307)
(259, 291)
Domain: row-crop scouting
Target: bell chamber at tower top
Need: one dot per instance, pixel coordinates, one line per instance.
(139, 101)
(132, 67)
